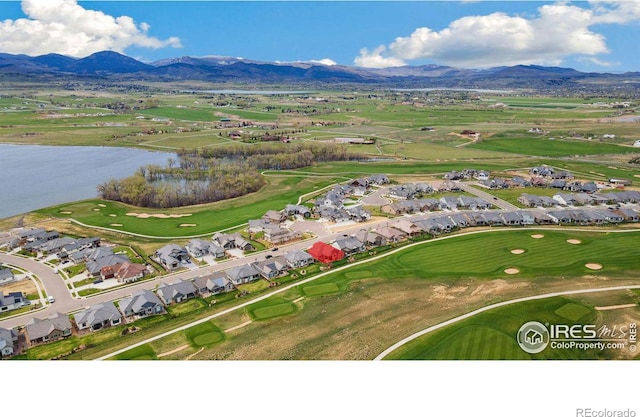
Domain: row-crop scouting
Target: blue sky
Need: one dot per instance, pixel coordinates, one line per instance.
(590, 36)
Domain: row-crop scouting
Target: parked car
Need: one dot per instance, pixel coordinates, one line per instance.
(51, 299)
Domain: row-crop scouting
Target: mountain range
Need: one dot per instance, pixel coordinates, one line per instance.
(113, 66)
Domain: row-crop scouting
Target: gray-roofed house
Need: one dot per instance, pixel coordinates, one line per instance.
(349, 245)
(628, 215)
(561, 216)
(231, 241)
(98, 317)
(140, 304)
(296, 209)
(272, 268)
(50, 329)
(511, 218)
(171, 256)
(243, 274)
(6, 276)
(215, 283)
(94, 266)
(370, 238)
(177, 292)
(298, 258)
(199, 248)
(12, 301)
(8, 341)
(274, 217)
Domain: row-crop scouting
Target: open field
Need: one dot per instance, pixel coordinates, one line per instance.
(491, 335)
(207, 218)
(538, 146)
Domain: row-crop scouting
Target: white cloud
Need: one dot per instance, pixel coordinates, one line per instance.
(64, 27)
(374, 59)
(558, 31)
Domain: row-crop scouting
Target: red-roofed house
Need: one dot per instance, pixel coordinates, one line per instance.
(325, 253)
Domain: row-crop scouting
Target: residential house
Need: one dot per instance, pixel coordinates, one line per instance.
(296, 209)
(482, 175)
(95, 266)
(565, 199)
(6, 276)
(349, 245)
(128, 272)
(177, 292)
(12, 301)
(492, 219)
(358, 214)
(449, 202)
(541, 171)
(379, 179)
(140, 304)
(511, 218)
(46, 330)
(370, 238)
(408, 227)
(98, 317)
(298, 259)
(561, 216)
(272, 268)
(215, 283)
(243, 274)
(198, 247)
(171, 256)
(390, 234)
(628, 215)
(8, 342)
(232, 241)
(460, 220)
(274, 217)
(276, 234)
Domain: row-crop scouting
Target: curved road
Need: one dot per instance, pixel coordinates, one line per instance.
(491, 307)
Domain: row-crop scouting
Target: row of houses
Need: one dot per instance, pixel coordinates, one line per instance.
(579, 199)
(430, 204)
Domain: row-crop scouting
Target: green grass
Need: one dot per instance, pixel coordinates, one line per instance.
(209, 218)
(186, 307)
(492, 335)
(572, 311)
(550, 148)
(259, 311)
(144, 352)
(320, 289)
(204, 335)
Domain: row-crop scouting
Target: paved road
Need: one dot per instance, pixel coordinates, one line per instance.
(486, 196)
(428, 330)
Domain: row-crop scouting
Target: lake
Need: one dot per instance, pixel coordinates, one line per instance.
(34, 176)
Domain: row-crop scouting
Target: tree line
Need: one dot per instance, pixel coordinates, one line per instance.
(207, 175)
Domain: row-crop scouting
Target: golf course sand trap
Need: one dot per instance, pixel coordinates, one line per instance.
(101, 205)
(115, 224)
(594, 266)
(157, 216)
(66, 212)
(96, 209)
(512, 271)
(574, 241)
(537, 236)
(188, 225)
(517, 251)
(112, 215)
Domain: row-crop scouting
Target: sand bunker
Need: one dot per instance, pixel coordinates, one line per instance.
(96, 209)
(112, 215)
(188, 225)
(537, 236)
(517, 251)
(574, 241)
(115, 224)
(66, 212)
(512, 271)
(594, 266)
(157, 216)
(101, 205)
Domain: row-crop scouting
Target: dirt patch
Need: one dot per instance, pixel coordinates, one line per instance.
(574, 241)
(157, 216)
(537, 236)
(445, 292)
(517, 251)
(115, 224)
(593, 266)
(188, 225)
(512, 271)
